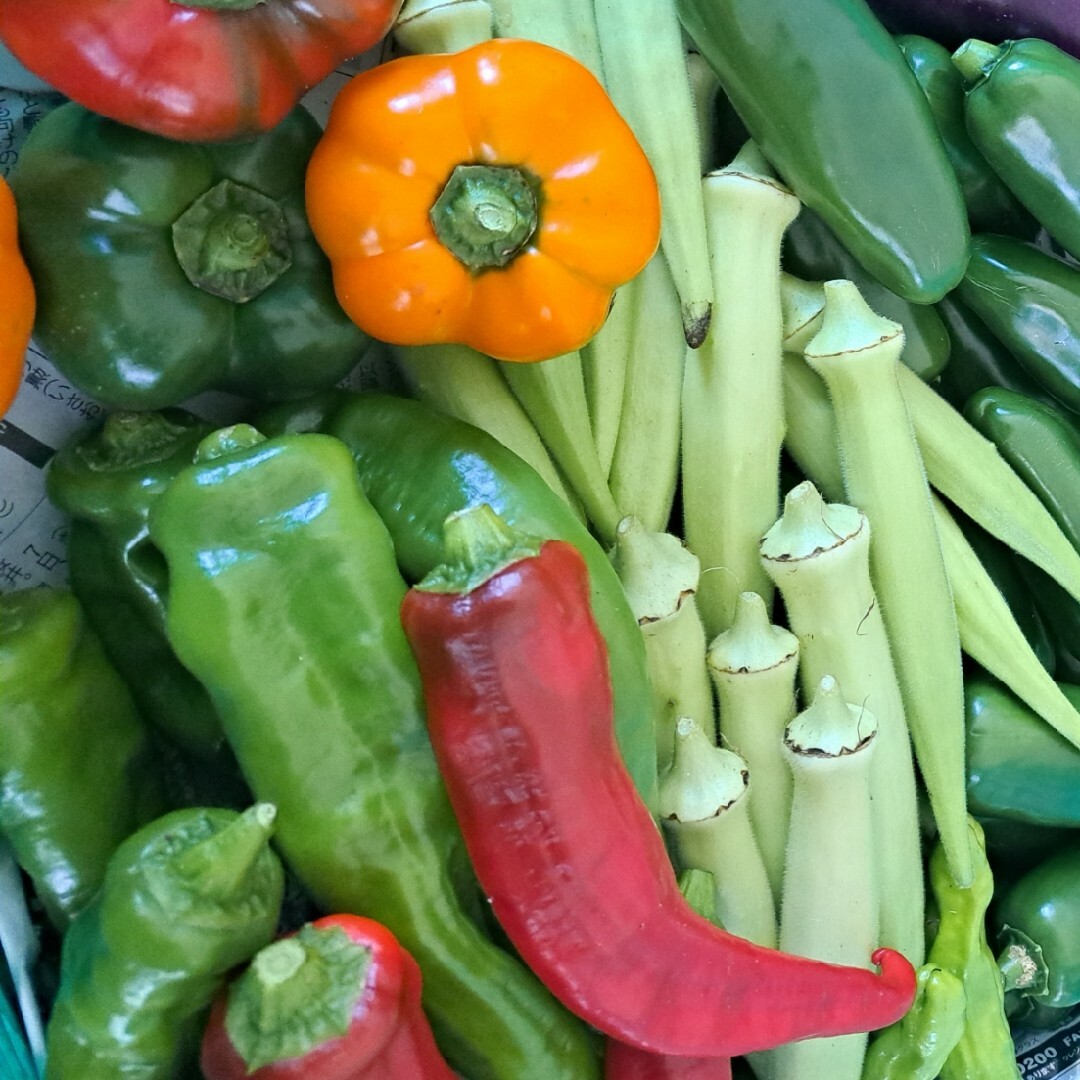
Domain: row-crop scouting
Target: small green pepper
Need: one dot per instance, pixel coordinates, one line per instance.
(1038, 929)
(164, 268)
(278, 564)
(185, 899)
(985, 1048)
(1030, 300)
(77, 774)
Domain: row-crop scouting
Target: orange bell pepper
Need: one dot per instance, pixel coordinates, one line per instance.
(18, 301)
(492, 197)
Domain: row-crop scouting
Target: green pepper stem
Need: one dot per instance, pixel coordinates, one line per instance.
(218, 867)
(974, 59)
(228, 440)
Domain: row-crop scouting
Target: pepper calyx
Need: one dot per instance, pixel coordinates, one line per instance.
(479, 544)
(297, 994)
(975, 59)
(486, 214)
(130, 437)
(228, 440)
(1021, 963)
(232, 242)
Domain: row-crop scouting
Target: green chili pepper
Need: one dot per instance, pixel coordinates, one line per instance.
(1018, 766)
(1030, 300)
(417, 466)
(77, 773)
(185, 899)
(991, 206)
(216, 234)
(831, 102)
(916, 1047)
(106, 479)
(1038, 921)
(1021, 110)
(279, 566)
(985, 1047)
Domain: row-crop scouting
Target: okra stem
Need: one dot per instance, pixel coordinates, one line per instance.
(703, 803)
(733, 422)
(818, 555)
(829, 907)
(857, 354)
(645, 467)
(753, 666)
(645, 69)
(660, 578)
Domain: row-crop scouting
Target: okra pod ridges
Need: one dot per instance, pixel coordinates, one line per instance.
(705, 88)
(644, 60)
(443, 26)
(645, 466)
(568, 25)
(660, 577)
(968, 470)
(466, 384)
(732, 407)
(830, 903)
(552, 393)
(753, 666)
(818, 554)
(703, 803)
(857, 353)
(991, 636)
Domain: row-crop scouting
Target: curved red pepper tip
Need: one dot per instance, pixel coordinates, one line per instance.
(896, 969)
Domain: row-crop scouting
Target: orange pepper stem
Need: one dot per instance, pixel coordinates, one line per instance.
(232, 241)
(486, 214)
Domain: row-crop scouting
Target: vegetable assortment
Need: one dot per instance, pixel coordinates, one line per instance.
(670, 667)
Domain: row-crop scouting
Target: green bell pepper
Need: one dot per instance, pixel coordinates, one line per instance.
(1018, 767)
(1030, 300)
(188, 897)
(1021, 109)
(164, 268)
(77, 772)
(278, 565)
(1038, 930)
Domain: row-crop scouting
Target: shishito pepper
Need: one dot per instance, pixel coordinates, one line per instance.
(338, 1000)
(283, 600)
(519, 708)
(493, 197)
(164, 268)
(77, 771)
(18, 301)
(202, 69)
(185, 899)
(418, 465)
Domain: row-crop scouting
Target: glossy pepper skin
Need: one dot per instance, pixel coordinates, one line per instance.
(1022, 106)
(1018, 767)
(77, 772)
(106, 478)
(418, 465)
(1030, 300)
(493, 197)
(200, 71)
(338, 1000)
(990, 205)
(185, 899)
(18, 304)
(828, 97)
(1038, 921)
(278, 563)
(519, 709)
(623, 1062)
(215, 233)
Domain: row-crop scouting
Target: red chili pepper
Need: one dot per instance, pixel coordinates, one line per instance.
(622, 1062)
(519, 711)
(339, 1000)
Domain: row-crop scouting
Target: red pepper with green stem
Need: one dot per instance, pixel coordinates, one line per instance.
(520, 715)
(338, 1000)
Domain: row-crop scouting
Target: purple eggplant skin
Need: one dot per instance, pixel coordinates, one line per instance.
(952, 22)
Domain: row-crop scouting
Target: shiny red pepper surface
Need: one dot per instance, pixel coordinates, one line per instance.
(519, 711)
(388, 1036)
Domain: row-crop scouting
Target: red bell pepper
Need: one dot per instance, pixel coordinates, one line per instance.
(339, 1000)
(201, 70)
(519, 711)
